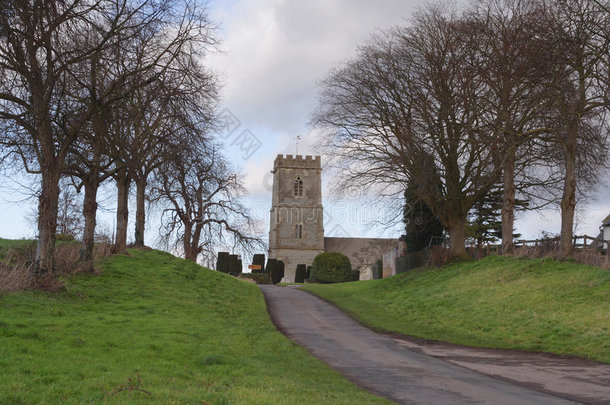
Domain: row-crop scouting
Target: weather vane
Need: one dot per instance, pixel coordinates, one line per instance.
(298, 138)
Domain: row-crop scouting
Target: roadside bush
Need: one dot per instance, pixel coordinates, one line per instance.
(15, 262)
(437, 256)
(261, 278)
(16, 265)
(331, 267)
(300, 274)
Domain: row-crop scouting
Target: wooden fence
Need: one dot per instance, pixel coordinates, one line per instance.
(580, 242)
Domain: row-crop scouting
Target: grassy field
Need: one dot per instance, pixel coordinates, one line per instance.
(6, 243)
(501, 302)
(155, 329)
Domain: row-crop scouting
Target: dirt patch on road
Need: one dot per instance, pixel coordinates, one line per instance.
(571, 377)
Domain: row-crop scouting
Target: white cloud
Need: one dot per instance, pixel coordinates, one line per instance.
(276, 51)
(590, 212)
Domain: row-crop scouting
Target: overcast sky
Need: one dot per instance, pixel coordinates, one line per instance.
(274, 52)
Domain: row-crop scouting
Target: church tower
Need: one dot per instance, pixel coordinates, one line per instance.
(296, 232)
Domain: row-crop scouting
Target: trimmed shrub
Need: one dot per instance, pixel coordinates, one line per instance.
(331, 267)
(355, 275)
(271, 268)
(275, 270)
(235, 265)
(271, 263)
(300, 274)
(222, 263)
(276, 277)
(259, 259)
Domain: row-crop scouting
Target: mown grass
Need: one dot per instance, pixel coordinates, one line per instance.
(155, 329)
(501, 302)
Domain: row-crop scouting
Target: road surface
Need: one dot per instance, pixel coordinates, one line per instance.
(412, 373)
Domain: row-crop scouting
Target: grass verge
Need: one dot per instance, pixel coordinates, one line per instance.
(500, 302)
(156, 329)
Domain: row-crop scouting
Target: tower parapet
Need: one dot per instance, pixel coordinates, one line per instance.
(297, 162)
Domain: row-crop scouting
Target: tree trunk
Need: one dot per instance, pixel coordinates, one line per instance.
(568, 200)
(186, 242)
(140, 211)
(457, 237)
(47, 219)
(195, 238)
(122, 213)
(191, 253)
(508, 203)
(191, 248)
(89, 212)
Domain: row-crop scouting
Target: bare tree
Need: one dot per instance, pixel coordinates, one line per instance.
(201, 199)
(580, 96)
(513, 72)
(69, 222)
(409, 110)
(89, 164)
(46, 47)
(156, 112)
(39, 46)
(169, 78)
(147, 67)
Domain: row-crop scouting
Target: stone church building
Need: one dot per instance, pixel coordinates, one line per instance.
(296, 232)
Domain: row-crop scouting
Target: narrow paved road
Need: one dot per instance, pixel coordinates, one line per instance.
(381, 364)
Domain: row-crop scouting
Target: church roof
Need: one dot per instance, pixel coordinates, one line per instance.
(606, 222)
(360, 251)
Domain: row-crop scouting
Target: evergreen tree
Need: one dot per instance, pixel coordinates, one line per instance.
(420, 222)
(485, 219)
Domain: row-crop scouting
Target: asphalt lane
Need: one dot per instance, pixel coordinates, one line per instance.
(380, 364)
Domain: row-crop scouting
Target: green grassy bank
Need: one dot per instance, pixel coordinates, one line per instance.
(155, 329)
(501, 302)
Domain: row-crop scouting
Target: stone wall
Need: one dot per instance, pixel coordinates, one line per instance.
(363, 253)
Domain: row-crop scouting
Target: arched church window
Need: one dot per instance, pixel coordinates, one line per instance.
(299, 231)
(298, 187)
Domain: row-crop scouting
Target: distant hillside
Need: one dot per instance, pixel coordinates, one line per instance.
(504, 302)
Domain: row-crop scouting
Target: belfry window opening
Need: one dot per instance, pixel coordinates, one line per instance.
(298, 187)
